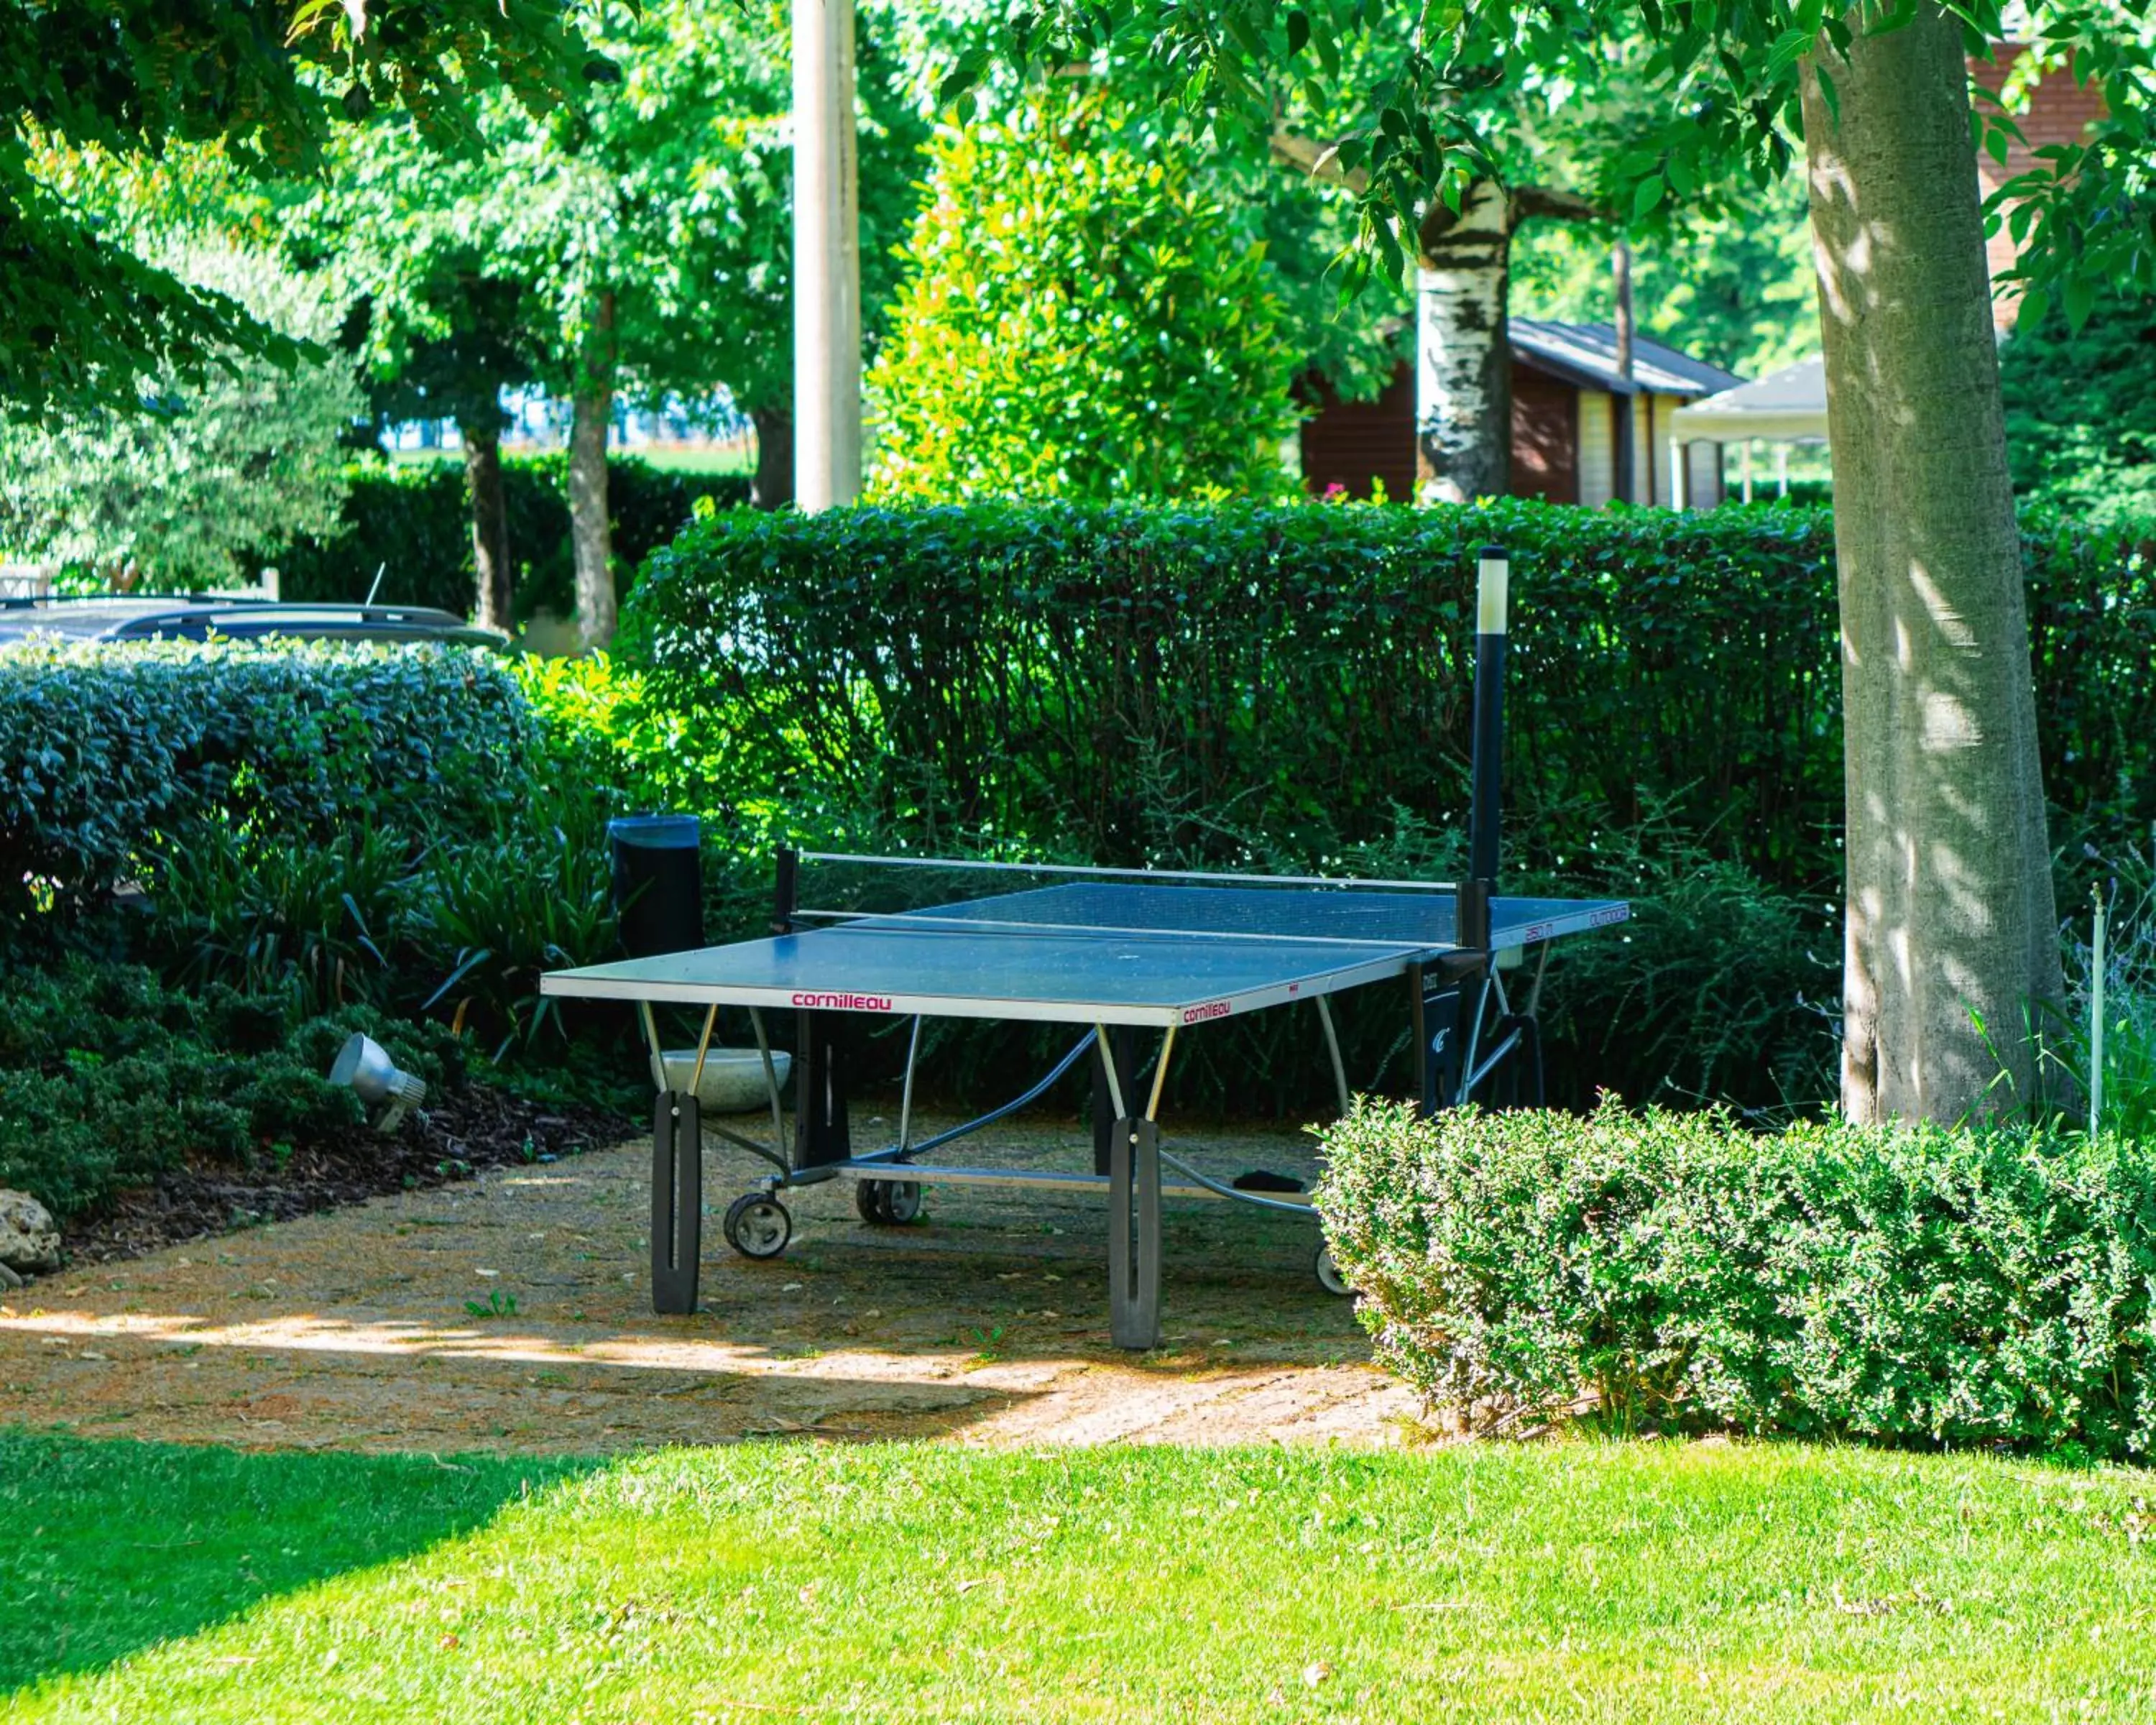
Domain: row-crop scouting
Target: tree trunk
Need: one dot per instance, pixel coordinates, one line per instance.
(490, 525)
(590, 532)
(1950, 915)
(1463, 360)
(772, 485)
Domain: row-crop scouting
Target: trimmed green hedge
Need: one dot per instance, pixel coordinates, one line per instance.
(1127, 683)
(413, 518)
(1664, 1270)
(108, 752)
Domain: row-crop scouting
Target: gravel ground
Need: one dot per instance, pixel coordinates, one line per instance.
(512, 1312)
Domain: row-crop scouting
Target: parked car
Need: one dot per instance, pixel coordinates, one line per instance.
(198, 616)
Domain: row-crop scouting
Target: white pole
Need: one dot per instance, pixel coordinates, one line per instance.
(2096, 1017)
(1744, 466)
(1679, 478)
(1782, 469)
(827, 260)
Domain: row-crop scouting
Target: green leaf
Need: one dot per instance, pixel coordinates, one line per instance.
(1645, 197)
(2078, 299)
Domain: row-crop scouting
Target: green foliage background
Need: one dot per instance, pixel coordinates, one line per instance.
(413, 520)
(2081, 412)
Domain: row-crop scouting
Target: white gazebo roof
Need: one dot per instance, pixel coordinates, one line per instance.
(1789, 405)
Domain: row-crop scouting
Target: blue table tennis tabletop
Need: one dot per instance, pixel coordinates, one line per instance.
(1123, 952)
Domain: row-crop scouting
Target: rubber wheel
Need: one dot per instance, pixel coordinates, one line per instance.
(887, 1203)
(1328, 1272)
(757, 1225)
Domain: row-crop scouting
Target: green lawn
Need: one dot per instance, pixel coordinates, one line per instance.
(1650, 1581)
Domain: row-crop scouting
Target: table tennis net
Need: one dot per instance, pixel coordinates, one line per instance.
(957, 897)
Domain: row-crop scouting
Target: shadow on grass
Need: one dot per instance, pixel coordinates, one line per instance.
(112, 1547)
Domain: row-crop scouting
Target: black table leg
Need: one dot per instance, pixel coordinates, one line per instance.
(677, 1202)
(1134, 1234)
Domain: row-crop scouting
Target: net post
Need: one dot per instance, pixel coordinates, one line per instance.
(1493, 569)
(1470, 927)
(786, 890)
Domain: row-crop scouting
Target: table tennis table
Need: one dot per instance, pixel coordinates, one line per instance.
(1101, 950)
(1112, 952)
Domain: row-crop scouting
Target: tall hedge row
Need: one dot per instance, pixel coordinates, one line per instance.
(1074, 678)
(411, 521)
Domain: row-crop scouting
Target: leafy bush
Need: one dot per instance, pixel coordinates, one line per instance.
(1914, 1285)
(114, 758)
(1114, 682)
(463, 922)
(107, 1077)
(411, 521)
(2081, 411)
(1080, 321)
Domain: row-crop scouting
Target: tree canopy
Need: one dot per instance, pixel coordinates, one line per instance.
(81, 317)
(183, 487)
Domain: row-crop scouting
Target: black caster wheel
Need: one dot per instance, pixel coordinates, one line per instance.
(888, 1203)
(757, 1226)
(1328, 1272)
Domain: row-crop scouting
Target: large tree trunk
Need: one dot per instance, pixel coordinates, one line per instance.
(490, 525)
(1950, 915)
(590, 532)
(771, 487)
(1463, 360)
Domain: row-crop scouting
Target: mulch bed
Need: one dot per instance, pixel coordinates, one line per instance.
(477, 1126)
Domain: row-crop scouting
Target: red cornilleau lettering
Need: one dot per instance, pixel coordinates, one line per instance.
(845, 1003)
(1211, 1009)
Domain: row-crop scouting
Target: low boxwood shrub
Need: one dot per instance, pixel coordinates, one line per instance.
(108, 1077)
(110, 752)
(1909, 1285)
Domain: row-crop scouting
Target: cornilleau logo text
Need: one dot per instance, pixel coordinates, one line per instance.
(845, 1003)
(1211, 1009)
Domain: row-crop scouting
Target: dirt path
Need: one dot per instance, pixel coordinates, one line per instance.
(512, 1313)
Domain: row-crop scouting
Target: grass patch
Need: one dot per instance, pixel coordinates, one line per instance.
(901, 1582)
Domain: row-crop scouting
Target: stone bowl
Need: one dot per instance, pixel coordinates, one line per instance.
(733, 1081)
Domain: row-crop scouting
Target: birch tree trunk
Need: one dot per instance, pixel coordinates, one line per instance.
(490, 525)
(1463, 360)
(1950, 914)
(591, 530)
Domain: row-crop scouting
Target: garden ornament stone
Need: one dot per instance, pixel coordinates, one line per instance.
(29, 1242)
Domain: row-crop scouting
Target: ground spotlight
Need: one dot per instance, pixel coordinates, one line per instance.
(363, 1066)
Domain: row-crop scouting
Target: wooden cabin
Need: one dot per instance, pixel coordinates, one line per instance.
(1566, 393)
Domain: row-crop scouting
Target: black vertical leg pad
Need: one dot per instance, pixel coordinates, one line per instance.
(821, 1134)
(677, 1202)
(1134, 1234)
(1123, 1046)
(1443, 1046)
